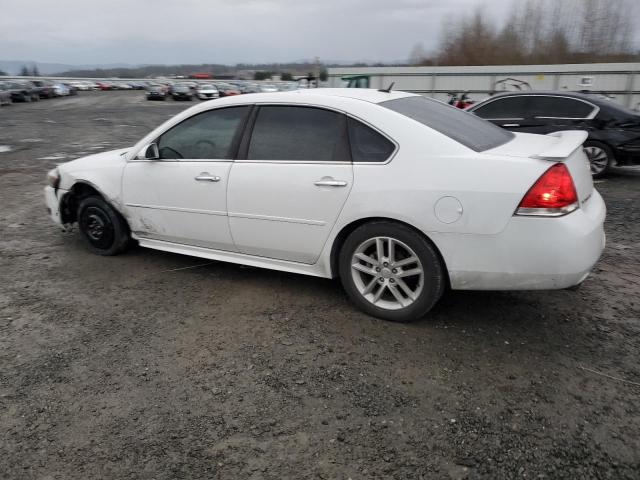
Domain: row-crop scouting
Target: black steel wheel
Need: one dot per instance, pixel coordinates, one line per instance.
(103, 229)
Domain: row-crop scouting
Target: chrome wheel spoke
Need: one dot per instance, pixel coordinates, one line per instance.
(411, 272)
(369, 288)
(406, 261)
(398, 296)
(380, 248)
(366, 258)
(405, 288)
(379, 293)
(363, 269)
(392, 251)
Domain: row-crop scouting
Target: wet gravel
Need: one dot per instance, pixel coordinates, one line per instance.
(136, 367)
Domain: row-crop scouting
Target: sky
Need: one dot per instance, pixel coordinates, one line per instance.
(80, 32)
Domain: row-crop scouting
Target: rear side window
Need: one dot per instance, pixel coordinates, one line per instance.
(508, 108)
(298, 134)
(463, 127)
(367, 145)
(559, 107)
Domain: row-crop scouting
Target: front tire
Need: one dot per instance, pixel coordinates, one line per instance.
(102, 228)
(600, 158)
(391, 271)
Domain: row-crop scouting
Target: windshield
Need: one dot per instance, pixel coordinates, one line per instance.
(463, 127)
(206, 87)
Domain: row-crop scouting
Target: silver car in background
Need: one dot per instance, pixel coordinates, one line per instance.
(207, 91)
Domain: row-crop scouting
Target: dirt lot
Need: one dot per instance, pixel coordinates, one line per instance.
(140, 367)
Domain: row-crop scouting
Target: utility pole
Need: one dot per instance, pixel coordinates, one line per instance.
(317, 73)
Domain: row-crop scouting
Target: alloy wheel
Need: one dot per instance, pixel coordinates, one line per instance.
(598, 159)
(387, 273)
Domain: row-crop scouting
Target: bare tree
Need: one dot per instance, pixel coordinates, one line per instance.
(418, 55)
(544, 31)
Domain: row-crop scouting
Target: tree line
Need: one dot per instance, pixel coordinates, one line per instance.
(29, 72)
(539, 32)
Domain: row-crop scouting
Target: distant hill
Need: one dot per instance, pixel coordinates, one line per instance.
(123, 70)
(13, 67)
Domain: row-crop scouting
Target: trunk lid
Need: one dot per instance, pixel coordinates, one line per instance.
(563, 146)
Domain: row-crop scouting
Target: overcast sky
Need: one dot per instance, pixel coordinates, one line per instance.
(229, 31)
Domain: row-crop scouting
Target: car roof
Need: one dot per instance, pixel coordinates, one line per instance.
(370, 95)
(306, 95)
(588, 96)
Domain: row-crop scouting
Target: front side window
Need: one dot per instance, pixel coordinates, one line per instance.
(367, 145)
(208, 135)
(508, 108)
(298, 134)
(463, 127)
(559, 107)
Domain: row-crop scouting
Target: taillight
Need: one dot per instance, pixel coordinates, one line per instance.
(553, 194)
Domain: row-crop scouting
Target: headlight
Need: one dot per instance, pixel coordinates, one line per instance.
(53, 178)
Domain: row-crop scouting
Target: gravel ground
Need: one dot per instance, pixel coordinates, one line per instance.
(140, 367)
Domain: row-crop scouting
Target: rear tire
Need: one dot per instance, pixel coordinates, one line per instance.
(103, 229)
(391, 271)
(600, 158)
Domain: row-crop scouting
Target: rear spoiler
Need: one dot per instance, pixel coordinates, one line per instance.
(568, 142)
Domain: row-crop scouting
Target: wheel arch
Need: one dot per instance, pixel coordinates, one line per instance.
(78, 191)
(350, 227)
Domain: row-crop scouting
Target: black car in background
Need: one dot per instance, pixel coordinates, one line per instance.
(155, 91)
(181, 91)
(45, 88)
(5, 94)
(23, 92)
(614, 131)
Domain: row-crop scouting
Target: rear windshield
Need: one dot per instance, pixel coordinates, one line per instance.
(463, 127)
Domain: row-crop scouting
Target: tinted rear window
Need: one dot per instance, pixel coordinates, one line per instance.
(559, 107)
(461, 126)
(367, 145)
(507, 108)
(298, 134)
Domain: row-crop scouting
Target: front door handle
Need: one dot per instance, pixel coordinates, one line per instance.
(329, 182)
(206, 177)
(510, 124)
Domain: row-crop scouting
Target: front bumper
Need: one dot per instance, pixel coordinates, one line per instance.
(52, 200)
(530, 254)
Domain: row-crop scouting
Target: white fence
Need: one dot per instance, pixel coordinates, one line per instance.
(619, 80)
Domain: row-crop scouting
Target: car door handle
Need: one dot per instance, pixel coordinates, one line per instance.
(205, 177)
(330, 183)
(510, 124)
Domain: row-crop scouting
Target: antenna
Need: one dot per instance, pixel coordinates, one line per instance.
(387, 90)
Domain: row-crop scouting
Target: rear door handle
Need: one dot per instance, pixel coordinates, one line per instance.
(510, 124)
(206, 177)
(330, 183)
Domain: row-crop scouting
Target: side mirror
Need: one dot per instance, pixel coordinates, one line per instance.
(152, 152)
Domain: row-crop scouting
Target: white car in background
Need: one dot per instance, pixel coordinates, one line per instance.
(398, 195)
(267, 88)
(207, 91)
(60, 90)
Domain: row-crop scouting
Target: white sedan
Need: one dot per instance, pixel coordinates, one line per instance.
(207, 92)
(398, 195)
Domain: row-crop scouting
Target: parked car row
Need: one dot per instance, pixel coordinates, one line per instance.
(613, 130)
(31, 91)
(215, 89)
